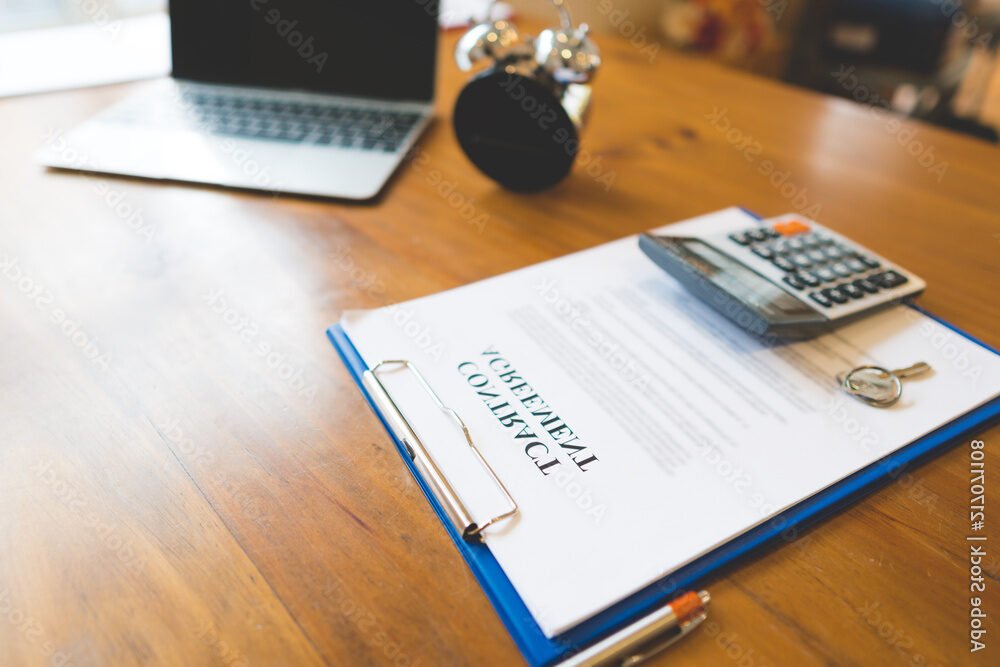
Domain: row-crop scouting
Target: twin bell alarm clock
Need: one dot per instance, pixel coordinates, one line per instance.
(519, 119)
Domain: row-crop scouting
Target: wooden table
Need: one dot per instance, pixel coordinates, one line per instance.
(189, 476)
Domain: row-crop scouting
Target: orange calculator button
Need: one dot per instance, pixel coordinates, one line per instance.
(791, 227)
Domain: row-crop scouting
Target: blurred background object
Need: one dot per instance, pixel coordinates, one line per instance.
(930, 59)
(731, 30)
(30, 14)
(462, 13)
(936, 60)
(50, 45)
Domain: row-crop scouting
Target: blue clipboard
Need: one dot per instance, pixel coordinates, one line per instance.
(540, 650)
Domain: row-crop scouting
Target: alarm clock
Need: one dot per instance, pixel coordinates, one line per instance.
(519, 121)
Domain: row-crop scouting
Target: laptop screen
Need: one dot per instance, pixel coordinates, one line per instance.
(370, 48)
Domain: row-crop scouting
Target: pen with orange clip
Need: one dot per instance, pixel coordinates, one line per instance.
(635, 643)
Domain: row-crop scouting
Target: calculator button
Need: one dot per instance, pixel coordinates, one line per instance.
(791, 227)
(855, 265)
(809, 279)
(819, 298)
(841, 270)
(758, 234)
(802, 261)
(796, 243)
(817, 256)
(888, 279)
(814, 242)
(740, 238)
(869, 262)
(866, 285)
(783, 264)
(852, 290)
(825, 274)
(833, 252)
(763, 251)
(795, 281)
(834, 294)
(822, 239)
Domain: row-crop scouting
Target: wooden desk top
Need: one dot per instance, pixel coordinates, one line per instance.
(190, 477)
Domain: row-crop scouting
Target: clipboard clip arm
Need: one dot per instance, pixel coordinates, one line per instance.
(442, 489)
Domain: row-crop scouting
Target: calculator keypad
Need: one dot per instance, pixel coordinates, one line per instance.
(831, 272)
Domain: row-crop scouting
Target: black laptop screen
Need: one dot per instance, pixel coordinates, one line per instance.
(371, 48)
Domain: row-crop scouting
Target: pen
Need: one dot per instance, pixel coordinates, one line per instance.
(635, 643)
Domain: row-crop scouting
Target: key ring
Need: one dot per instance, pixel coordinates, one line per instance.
(877, 386)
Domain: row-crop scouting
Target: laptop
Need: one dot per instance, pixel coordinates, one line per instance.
(307, 97)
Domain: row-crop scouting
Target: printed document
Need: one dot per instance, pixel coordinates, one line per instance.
(636, 427)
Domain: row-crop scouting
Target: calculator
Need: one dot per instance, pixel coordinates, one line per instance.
(787, 277)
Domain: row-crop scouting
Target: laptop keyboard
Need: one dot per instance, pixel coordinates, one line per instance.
(346, 126)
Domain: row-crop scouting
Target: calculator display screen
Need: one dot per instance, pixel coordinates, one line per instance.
(744, 284)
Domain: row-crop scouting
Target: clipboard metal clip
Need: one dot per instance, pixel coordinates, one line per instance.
(418, 453)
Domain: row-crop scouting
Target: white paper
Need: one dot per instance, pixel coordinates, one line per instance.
(700, 431)
(91, 54)
(460, 13)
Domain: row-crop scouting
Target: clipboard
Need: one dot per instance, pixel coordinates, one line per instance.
(541, 651)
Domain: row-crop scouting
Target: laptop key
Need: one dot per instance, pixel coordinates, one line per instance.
(309, 122)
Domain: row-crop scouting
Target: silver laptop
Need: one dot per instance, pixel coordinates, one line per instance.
(311, 97)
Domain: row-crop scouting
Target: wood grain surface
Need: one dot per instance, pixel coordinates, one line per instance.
(189, 477)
